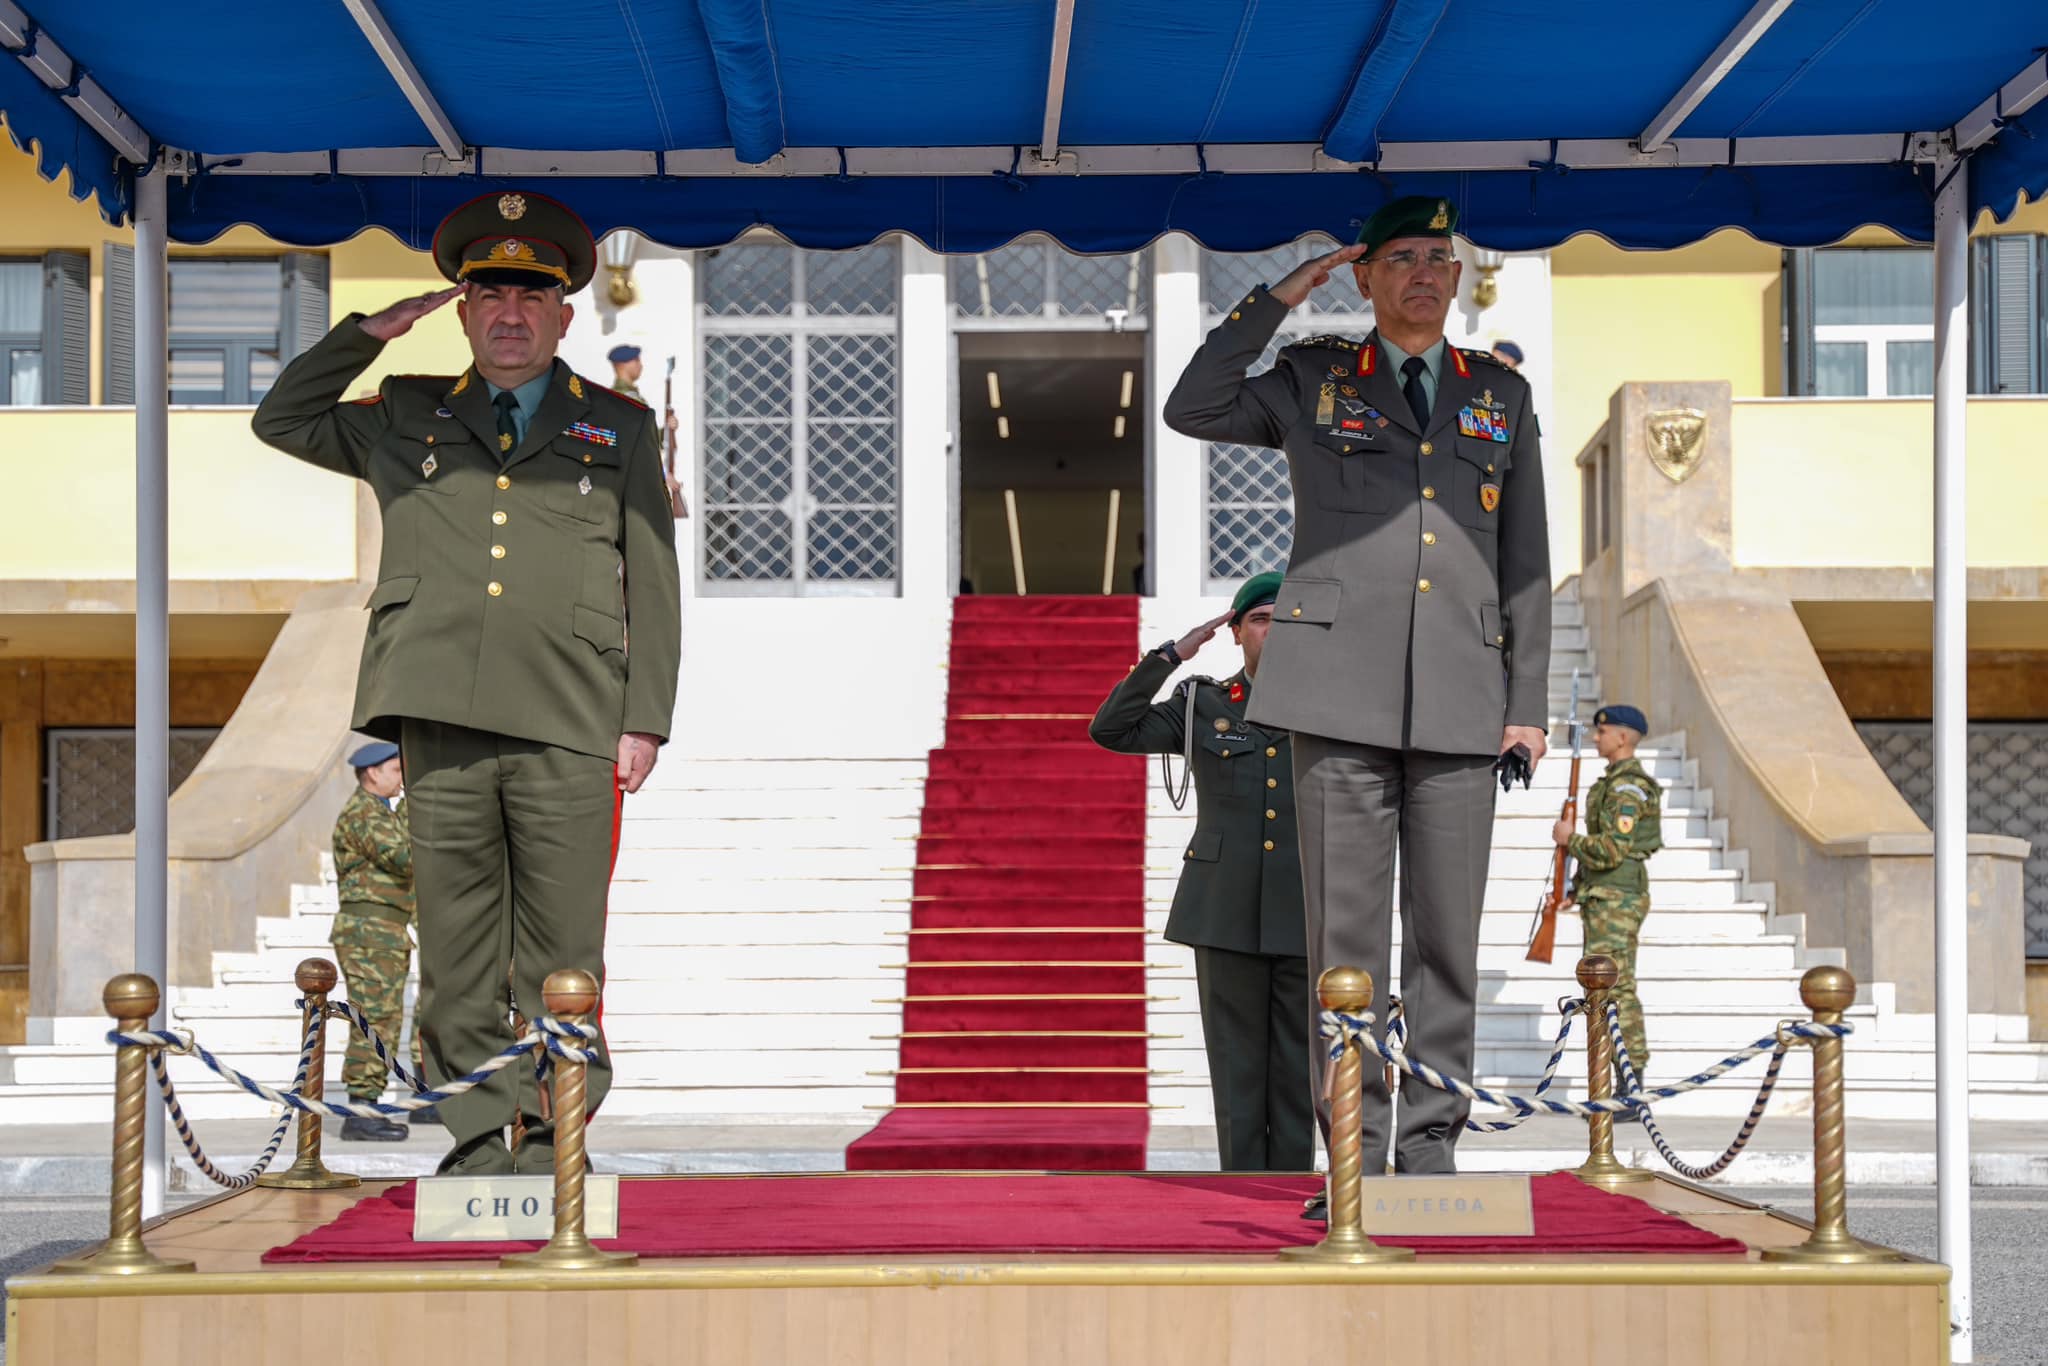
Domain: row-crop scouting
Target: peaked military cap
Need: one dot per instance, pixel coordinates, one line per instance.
(373, 754)
(516, 238)
(1620, 715)
(1412, 215)
(1258, 590)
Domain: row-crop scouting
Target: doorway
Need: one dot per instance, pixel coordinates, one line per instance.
(1052, 461)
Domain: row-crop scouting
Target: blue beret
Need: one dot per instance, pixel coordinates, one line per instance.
(1510, 350)
(373, 754)
(619, 355)
(1622, 716)
(1258, 590)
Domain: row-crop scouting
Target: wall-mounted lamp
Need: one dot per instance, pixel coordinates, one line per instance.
(620, 248)
(1485, 290)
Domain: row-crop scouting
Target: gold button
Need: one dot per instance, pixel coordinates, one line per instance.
(1500, 640)
(1272, 782)
(1226, 754)
(504, 481)
(498, 518)
(1271, 814)
(1428, 492)
(497, 552)
(1269, 846)
(1297, 611)
(1428, 449)
(1347, 450)
(1235, 316)
(494, 588)
(1189, 854)
(1422, 586)
(1272, 753)
(586, 459)
(1489, 469)
(1429, 538)
(430, 441)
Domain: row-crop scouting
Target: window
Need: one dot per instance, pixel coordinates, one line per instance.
(1250, 502)
(800, 439)
(234, 322)
(1860, 320)
(1037, 279)
(91, 783)
(42, 329)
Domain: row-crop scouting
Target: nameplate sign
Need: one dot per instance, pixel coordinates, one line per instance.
(1448, 1206)
(506, 1209)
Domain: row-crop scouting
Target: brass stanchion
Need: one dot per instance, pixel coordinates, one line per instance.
(570, 995)
(1597, 975)
(315, 979)
(131, 1000)
(1827, 992)
(1350, 991)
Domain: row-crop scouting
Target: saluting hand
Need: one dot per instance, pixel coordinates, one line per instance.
(1312, 273)
(1194, 640)
(398, 319)
(637, 753)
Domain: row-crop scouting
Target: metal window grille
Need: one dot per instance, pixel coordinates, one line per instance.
(90, 782)
(800, 429)
(2007, 780)
(1037, 280)
(1250, 500)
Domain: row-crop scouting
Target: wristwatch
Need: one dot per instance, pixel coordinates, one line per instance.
(1168, 650)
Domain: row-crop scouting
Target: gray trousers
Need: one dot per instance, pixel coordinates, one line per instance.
(1253, 1028)
(1356, 805)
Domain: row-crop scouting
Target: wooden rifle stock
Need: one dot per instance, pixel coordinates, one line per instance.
(1543, 943)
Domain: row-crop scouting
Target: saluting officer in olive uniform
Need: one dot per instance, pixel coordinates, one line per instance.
(1411, 639)
(524, 637)
(1239, 900)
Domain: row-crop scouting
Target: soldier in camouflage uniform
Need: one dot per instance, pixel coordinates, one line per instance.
(1612, 889)
(373, 865)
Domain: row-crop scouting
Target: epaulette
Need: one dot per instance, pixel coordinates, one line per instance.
(1190, 681)
(1331, 341)
(1488, 357)
(623, 398)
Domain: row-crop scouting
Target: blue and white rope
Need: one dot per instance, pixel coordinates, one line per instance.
(1337, 1026)
(1626, 1067)
(1567, 1007)
(554, 1032)
(183, 1126)
(344, 1010)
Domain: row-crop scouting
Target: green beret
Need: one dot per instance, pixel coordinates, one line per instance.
(1257, 591)
(1414, 215)
(515, 238)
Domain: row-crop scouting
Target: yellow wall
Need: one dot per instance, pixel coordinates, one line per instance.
(239, 510)
(1849, 483)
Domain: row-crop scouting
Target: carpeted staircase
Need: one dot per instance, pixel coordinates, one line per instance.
(1023, 1041)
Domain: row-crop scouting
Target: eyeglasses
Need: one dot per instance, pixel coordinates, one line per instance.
(1438, 260)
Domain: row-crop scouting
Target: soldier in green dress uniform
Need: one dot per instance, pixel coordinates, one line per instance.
(1612, 890)
(1239, 900)
(524, 636)
(372, 944)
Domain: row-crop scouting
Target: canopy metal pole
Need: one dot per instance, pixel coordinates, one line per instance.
(1951, 745)
(152, 630)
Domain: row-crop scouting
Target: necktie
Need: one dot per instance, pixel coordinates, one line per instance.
(1411, 388)
(507, 403)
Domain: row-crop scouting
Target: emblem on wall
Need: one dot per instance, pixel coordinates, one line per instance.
(1678, 439)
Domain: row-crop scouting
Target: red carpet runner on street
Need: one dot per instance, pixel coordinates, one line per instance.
(881, 1216)
(1023, 1042)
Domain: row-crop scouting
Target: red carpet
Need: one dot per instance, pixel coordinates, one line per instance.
(1023, 1043)
(881, 1216)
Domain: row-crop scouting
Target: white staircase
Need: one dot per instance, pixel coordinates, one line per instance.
(1719, 965)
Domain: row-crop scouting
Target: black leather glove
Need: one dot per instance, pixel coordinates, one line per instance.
(1514, 764)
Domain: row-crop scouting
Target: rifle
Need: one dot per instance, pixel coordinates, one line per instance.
(1543, 940)
(677, 504)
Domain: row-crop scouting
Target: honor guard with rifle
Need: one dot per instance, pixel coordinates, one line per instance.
(1239, 900)
(1612, 889)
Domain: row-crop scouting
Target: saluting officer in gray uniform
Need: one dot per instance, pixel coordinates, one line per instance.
(1411, 639)
(1239, 900)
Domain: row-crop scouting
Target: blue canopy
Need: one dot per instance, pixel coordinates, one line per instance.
(1242, 122)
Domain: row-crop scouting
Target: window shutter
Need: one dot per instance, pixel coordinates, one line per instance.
(67, 293)
(305, 302)
(117, 325)
(2013, 290)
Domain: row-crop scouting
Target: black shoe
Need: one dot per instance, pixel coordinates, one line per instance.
(430, 1115)
(1316, 1209)
(360, 1128)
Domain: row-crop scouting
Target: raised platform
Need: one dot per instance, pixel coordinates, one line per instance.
(1064, 1307)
